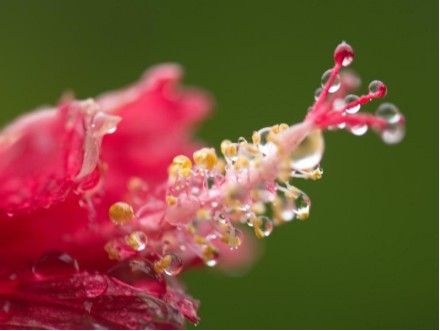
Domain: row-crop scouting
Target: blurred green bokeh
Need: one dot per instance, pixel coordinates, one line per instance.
(368, 256)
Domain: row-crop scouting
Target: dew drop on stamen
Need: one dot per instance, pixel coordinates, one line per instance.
(349, 99)
(344, 54)
(55, 263)
(302, 206)
(121, 213)
(377, 86)
(175, 265)
(317, 93)
(359, 130)
(263, 226)
(389, 112)
(336, 83)
(309, 152)
(393, 134)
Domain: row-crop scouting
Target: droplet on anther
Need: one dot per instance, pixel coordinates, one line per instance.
(309, 152)
(121, 213)
(350, 99)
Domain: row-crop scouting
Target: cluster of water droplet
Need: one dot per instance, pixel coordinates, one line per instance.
(390, 126)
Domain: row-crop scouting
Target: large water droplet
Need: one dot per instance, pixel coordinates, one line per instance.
(393, 134)
(175, 265)
(389, 112)
(336, 83)
(55, 263)
(359, 130)
(309, 152)
(344, 54)
(302, 206)
(349, 99)
(263, 226)
(139, 273)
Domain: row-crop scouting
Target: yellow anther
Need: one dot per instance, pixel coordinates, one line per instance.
(302, 215)
(242, 162)
(275, 129)
(256, 137)
(228, 148)
(136, 183)
(258, 232)
(258, 208)
(205, 157)
(171, 200)
(162, 264)
(121, 213)
(283, 127)
(208, 253)
(315, 174)
(191, 229)
(181, 165)
(113, 253)
(253, 150)
(220, 165)
(292, 193)
(137, 240)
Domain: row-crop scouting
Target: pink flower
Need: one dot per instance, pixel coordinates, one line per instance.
(67, 172)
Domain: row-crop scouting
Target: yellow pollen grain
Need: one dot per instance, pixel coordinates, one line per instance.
(205, 157)
(121, 213)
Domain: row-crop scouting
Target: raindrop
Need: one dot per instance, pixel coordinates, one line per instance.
(317, 93)
(336, 83)
(350, 99)
(55, 263)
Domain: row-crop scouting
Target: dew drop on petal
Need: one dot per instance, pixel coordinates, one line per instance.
(336, 83)
(55, 263)
(359, 130)
(389, 112)
(175, 265)
(349, 99)
(139, 273)
(309, 152)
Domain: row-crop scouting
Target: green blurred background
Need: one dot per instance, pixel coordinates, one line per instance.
(368, 256)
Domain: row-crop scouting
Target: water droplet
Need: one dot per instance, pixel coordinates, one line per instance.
(350, 99)
(263, 226)
(139, 273)
(309, 152)
(55, 263)
(393, 134)
(376, 86)
(175, 265)
(266, 146)
(317, 93)
(210, 255)
(336, 83)
(344, 54)
(121, 213)
(389, 112)
(137, 240)
(359, 130)
(302, 206)
(235, 237)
